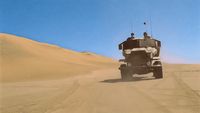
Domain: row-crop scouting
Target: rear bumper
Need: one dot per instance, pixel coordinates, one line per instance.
(143, 69)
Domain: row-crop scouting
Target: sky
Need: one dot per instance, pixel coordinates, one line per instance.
(100, 25)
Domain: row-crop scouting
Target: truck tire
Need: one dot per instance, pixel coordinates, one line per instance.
(157, 73)
(125, 72)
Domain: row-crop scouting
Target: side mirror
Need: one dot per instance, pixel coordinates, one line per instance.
(120, 46)
(159, 43)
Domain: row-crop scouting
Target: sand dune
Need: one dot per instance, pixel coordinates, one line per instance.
(23, 59)
(40, 66)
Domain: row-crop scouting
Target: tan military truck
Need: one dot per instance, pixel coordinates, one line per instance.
(141, 56)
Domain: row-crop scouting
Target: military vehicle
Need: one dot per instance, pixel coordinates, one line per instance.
(141, 57)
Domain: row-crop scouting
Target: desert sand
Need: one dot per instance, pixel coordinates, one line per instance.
(23, 59)
(42, 78)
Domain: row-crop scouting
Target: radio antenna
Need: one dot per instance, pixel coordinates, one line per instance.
(132, 27)
(151, 27)
(145, 25)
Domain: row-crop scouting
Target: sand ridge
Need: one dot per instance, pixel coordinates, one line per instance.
(24, 59)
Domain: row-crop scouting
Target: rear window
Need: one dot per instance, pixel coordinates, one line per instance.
(139, 43)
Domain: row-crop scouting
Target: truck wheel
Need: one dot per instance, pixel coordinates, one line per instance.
(157, 73)
(125, 72)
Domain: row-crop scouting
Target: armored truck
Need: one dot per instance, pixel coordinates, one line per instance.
(141, 56)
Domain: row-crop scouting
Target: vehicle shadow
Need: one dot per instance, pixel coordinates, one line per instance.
(134, 79)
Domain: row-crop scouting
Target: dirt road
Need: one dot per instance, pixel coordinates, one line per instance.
(103, 92)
